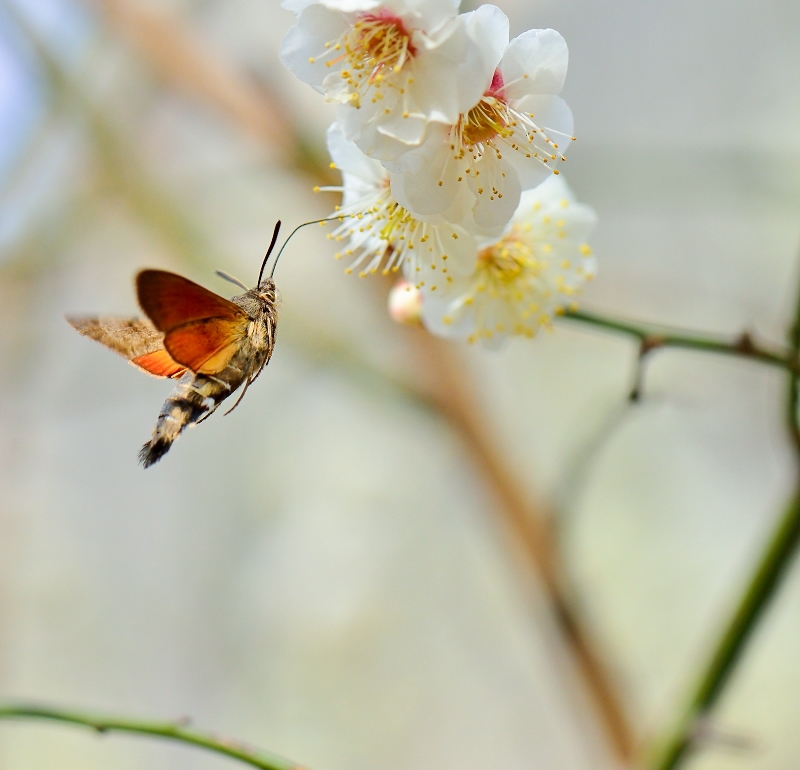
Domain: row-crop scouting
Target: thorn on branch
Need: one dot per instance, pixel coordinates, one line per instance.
(651, 342)
(648, 344)
(706, 733)
(745, 344)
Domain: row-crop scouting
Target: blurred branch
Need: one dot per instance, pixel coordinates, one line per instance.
(446, 385)
(793, 389)
(172, 731)
(183, 63)
(759, 591)
(26, 159)
(117, 158)
(186, 65)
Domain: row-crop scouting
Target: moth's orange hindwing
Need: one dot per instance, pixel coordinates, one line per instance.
(159, 363)
(206, 346)
(134, 338)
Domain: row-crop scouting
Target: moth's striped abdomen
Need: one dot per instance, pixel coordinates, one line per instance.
(195, 397)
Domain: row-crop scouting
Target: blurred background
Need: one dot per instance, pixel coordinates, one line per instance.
(325, 572)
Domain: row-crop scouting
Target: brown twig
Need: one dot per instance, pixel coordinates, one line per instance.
(185, 64)
(446, 384)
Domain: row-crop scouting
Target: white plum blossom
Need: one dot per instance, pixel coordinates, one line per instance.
(511, 139)
(533, 272)
(378, 233)
(393, 65)
(449, 138)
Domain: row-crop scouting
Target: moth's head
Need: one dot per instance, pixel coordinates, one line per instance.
(266, 291)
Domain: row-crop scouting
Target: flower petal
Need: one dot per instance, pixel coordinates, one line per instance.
(350, 6)
(406, 129)
(296, 6)
(363, 127)
(444, 313)
(535, 63)
(488, 27)
(549, 113)
(420, 179)
(363, 175)
(451, 252)
(554, 119)
(531, 172)
(552, 209)
(450, 73)
(497, 190)
(306, 40)
(437, 80)
(427, 15)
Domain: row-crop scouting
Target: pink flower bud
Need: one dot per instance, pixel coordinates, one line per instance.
(405, 304)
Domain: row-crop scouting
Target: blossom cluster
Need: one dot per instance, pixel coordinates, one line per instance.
(450, 139)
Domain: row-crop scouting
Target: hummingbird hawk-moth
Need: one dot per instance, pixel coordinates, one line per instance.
(211, 345)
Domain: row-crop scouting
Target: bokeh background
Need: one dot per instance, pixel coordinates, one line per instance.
(324, 573)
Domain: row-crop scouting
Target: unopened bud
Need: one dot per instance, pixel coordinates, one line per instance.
(405, 304)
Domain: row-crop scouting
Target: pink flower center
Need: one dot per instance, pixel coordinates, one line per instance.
(373, 49)
(381, 40)
(497, 86)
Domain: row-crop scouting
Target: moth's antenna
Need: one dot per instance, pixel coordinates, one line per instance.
(232, 279)
(305, 224)
(269, 251)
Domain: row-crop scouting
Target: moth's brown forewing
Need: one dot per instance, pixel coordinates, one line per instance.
(171, 300)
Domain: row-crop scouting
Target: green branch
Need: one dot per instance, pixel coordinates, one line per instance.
(173, 731)
(653, 338)
(754, 602)
(759, 591)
